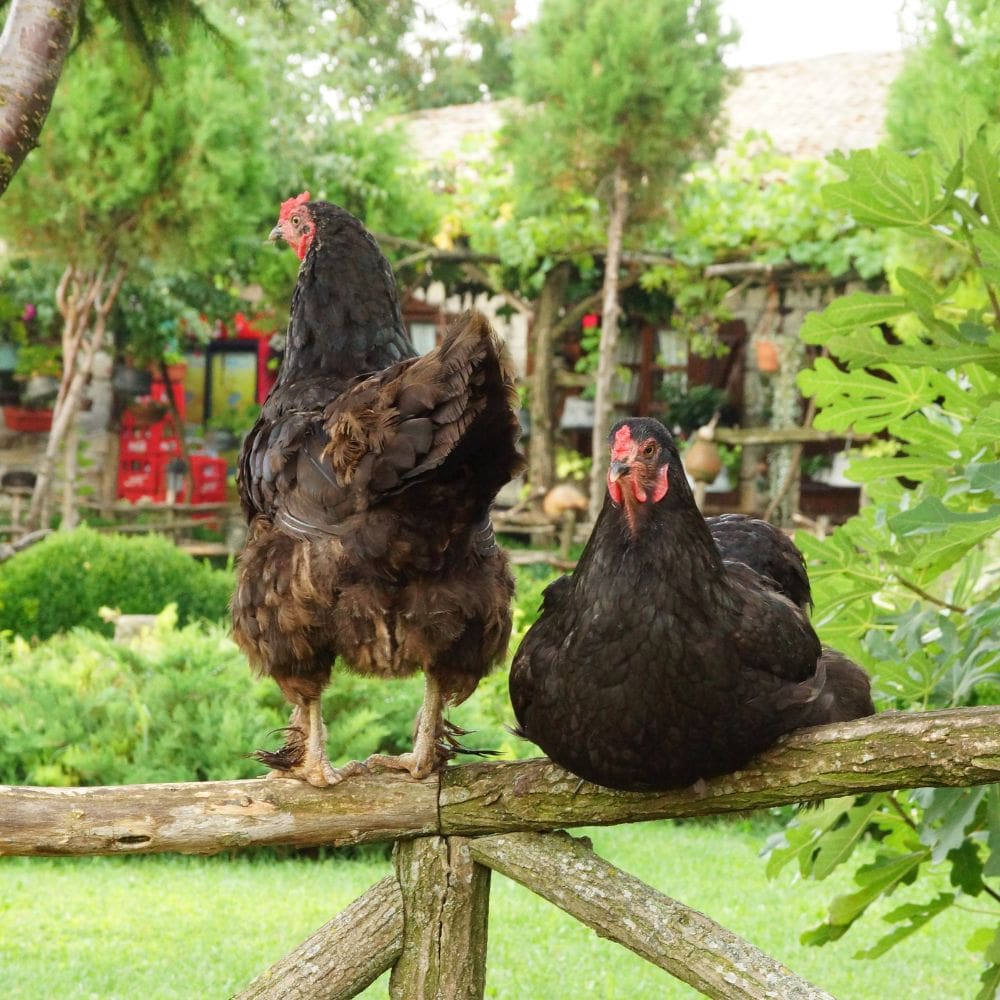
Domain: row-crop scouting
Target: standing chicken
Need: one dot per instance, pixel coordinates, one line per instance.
(661, 661)
(367, 483)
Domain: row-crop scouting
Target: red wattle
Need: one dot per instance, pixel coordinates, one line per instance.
(660, 491)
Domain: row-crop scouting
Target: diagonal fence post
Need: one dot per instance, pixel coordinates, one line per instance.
(690, 946)
(344, 956)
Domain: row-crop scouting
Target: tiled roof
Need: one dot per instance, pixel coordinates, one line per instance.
(809, 108)
(812, 107)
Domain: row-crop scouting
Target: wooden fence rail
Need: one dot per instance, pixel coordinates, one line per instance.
(429, 922)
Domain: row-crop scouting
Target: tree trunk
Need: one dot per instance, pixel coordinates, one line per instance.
(36, 37)
(344, 956)
(79, 294)
(608, 356)
(957, 747)
(541, 447)
(686, 943)
(446, 900)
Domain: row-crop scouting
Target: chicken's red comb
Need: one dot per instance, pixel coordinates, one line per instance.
(621, 443)
(287, 207)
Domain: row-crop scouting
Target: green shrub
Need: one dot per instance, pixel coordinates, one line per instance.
(63, 581)
(172, 705)
(179, 704)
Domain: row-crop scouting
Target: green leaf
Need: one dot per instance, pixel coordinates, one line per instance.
(984, 476)
(992, 867)
(948, 813)
(866, 402)
(920, 293)
(981, 165)
(966, 867)
(886, 188)
(930, 517)
(837, 844)
(877, 879)
(915, 467)
(851, 312)
(915, 915)
(991, 983)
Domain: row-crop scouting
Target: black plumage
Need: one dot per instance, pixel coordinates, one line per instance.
(367, 483)
(665, 657)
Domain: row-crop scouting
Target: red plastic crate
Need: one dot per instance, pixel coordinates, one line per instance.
(137, 480)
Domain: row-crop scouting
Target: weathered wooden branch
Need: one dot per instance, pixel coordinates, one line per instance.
(446, 899)
(958, 747)
(779, 435)
(661, 930)
(212, 816)
(344, 956)
(955, 747)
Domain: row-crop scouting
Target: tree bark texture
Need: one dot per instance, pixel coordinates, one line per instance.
(955, 747)
(541, 444)
(36, 37)
(208, 817)
(446, 900)
(659, 929)
(344, 956)
(608, 356)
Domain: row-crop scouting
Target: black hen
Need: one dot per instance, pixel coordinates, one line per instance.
(367, 484)
(660, 661)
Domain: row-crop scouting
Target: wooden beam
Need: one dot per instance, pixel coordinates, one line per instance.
(344, 956)
(446, 901)
(212, 816)
(686, 943)
(956, 747)
(780, 435)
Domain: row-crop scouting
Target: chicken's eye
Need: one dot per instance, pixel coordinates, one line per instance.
(649, 450)
(296, 220)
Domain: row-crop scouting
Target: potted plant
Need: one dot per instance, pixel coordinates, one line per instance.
(37, 371)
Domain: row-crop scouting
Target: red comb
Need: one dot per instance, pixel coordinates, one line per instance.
(622, 440)
(287, 207)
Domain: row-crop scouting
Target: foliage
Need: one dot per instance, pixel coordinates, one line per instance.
(172, 705)
(172, 171)
(159, 314)
(955, 60)
(344, 61)
(178, 704)
(689, 407)
(755, 203)
(905, 587)
(64, 580)
(633, 84)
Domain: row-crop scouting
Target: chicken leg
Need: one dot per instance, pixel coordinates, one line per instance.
(304, 754)
(424, 758)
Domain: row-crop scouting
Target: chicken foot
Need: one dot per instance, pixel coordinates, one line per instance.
(424, 758)
(304, 755)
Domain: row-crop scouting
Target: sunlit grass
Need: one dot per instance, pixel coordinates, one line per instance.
(172, 927)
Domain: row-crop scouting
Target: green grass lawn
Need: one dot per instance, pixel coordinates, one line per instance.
(176, 927)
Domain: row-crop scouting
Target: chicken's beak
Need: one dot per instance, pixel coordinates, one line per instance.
(275, 235)
(617, 470)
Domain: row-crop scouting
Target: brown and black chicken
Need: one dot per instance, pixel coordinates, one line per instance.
(669, 656)
(367, 484)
